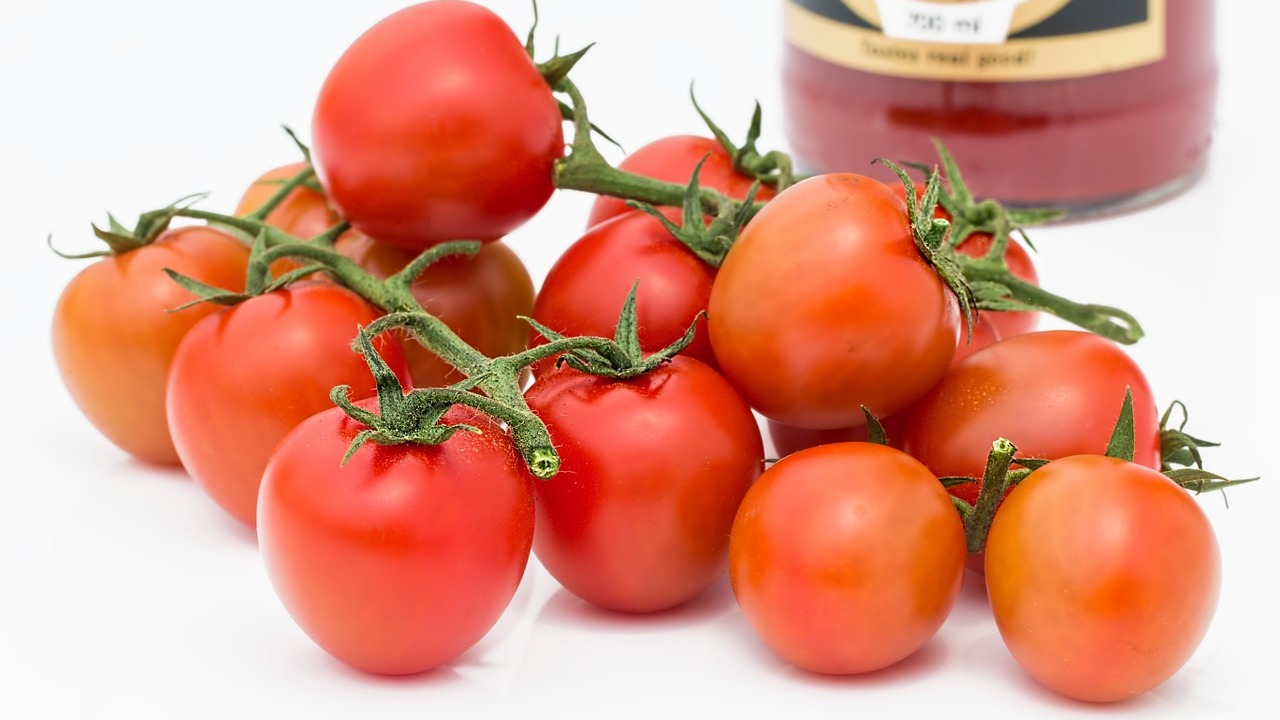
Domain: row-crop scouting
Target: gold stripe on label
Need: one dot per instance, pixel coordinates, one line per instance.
(1041, 58)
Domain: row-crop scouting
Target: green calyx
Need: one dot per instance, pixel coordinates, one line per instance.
(619, 359)
(985, 283)
(930, 235)
(121, 240)
(709, 242)
(401, 418)
(997, 478)
(875, 429)
(1180, 453)
(773, 168)
(969, 216)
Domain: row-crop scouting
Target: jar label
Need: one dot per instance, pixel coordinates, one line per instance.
(980, 40)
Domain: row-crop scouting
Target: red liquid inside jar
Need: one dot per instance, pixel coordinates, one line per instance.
(1091, 144)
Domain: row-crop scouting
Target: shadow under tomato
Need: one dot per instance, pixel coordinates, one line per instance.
(565, 608)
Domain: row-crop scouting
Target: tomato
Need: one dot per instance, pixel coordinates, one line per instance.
(481, 298)
(114, 341)
(304, 213)
(586, 288)
(652, 472)
(673, 159)
(1016, 258)
(403, 557)
(825, 305)
(1052, 394)
(846, 558)
(1103, 576)
(435, 125)
(243, 378)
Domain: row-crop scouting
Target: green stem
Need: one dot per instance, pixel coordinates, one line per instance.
(994, 484)
(1109, 322)
(526, 429)
(585, 169)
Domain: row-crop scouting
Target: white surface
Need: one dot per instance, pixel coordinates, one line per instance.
(124, 593)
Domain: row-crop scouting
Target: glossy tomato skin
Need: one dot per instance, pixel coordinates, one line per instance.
(435, 125)
(673, 159)
(1053, 394)
(846, 558)
(653, 471)
(404, 557)
(113, 339)
(788, 440)
(243, 378)
(304, 213)
(824, 305)
(1016, 257)
(481, 298)
(586, 288)
(1103, 577)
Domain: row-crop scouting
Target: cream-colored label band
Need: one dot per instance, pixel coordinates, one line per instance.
(969, 40)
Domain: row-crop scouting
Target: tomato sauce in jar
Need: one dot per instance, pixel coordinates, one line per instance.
(1090, 105)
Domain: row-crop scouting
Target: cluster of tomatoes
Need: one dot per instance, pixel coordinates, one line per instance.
(396, 526)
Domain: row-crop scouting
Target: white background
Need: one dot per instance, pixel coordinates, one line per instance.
(124, 593)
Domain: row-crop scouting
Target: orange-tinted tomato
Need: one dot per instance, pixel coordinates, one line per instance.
(114, 341)
(846, 558)
(1053, 394)
(1103, 577)
(825, 305)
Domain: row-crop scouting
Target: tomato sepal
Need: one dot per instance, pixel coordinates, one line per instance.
(710, 243)
(622, 358)
(401, 418)
(773, 168)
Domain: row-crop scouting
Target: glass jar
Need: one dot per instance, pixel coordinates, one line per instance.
(1089, 105)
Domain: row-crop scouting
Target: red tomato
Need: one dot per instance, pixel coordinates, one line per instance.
(243, 378)
(1016, 257)
(1103, 576)
(1052, 394)
(846, 558)
(825, 305)
(304, 213)
(652, 472)
(435, 125)
(586, 288)
(672, 159)
(114, 341)
(481, 298)
(404, 557)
